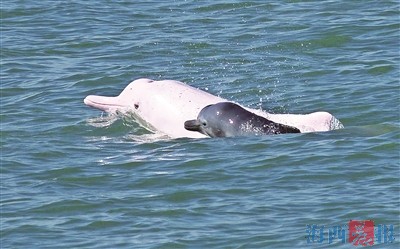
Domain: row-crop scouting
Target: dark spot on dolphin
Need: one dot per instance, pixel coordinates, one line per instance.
(136, 106)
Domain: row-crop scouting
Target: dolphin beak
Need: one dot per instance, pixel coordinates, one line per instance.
(107, 104)
(192, 125)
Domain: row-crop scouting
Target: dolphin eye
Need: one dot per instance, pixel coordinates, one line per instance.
(136, 106)
(204, 123)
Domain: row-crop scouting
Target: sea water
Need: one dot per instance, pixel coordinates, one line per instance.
(73, 177)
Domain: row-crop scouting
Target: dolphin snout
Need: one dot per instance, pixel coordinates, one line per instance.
(192, 125)
(107, 104)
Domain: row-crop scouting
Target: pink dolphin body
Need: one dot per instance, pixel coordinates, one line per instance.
(164, 106)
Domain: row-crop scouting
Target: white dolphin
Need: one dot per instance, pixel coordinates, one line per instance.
(164, 106)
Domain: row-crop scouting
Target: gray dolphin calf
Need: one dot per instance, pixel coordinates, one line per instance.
(227, 119)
